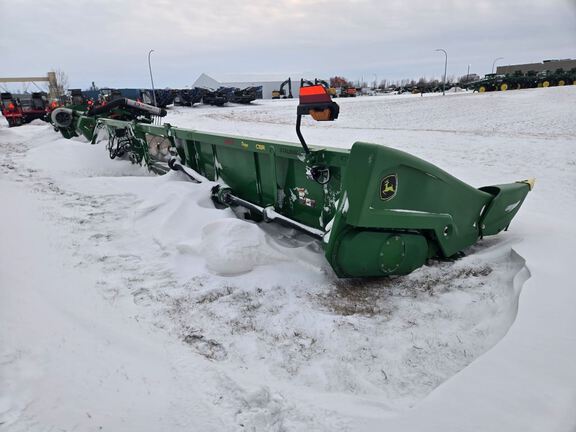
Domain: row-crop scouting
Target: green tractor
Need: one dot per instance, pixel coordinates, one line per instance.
(572, 76)
(515, 81)
(545, 79)
(375, 210)
(560, 77)
(490, 82)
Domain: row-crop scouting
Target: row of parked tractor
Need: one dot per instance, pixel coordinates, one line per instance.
(520, 80)
(24, 108)
(497, 82)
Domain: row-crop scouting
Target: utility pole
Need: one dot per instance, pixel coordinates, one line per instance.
(494, 62)
(151, 79)
(445, 68)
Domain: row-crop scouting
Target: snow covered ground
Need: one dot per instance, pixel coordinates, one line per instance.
(129, 303)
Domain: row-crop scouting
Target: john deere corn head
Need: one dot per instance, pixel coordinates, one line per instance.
(376, 210)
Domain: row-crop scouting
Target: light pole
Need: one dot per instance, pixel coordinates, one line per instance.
(494, 62)
(468, 74)
(445, 68)
(375, 81)
(151, 79)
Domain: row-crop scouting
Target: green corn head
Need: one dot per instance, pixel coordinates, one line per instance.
(377, 211)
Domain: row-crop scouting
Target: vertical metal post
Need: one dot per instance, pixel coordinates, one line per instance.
(151, 79)
(494, 62)
(445, 69)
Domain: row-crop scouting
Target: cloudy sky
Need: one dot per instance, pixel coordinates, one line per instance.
(108, 41)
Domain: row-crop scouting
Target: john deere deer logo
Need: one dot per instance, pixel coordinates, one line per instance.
(388, 187)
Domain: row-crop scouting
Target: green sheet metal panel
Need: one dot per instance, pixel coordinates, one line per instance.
(267, 172)
(508, 199)
(424, 196)
(239, 170)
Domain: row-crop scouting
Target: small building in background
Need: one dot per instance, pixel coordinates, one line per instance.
(546, 65)
(206, 82)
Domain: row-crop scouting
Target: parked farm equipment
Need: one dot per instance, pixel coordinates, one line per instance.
(376, 210)
(34, 107)
(164, 97)
(559, 77)
(244, 96)
(188, 97)
(11, 110)
(331, 90)
(72, 122)
(346, 91)
(281, 93)
(78, 101)
(215, 97)
(520, 80)
(23, 109)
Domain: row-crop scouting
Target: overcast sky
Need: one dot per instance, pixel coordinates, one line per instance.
(108, 41)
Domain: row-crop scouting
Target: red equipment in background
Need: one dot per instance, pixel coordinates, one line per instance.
(11, 109)
(18, 111)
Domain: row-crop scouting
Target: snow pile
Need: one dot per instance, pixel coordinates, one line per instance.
(77, 158)
(235, 247)
(182, 218)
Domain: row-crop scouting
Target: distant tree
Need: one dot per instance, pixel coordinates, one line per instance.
(465, 79)
(61, 82)
(338, 81)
